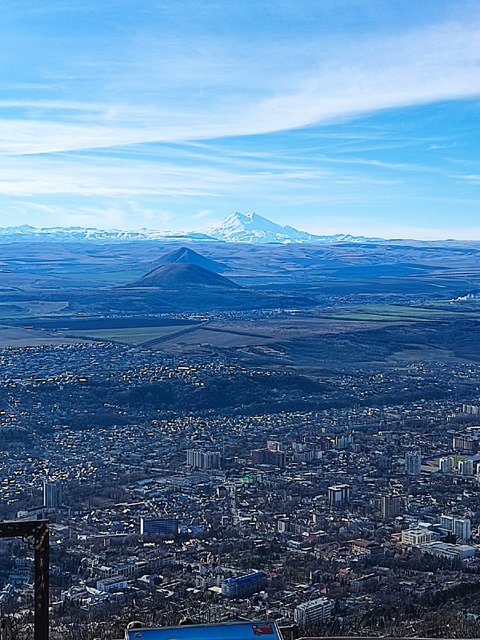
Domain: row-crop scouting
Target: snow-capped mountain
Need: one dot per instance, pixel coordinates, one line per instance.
(238, 227)
(61, 234)
(251, 227)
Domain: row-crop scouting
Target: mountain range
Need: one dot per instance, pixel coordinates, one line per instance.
(238, 227)
(60, 234)
(253, 228)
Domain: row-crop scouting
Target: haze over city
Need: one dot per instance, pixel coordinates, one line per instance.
(340, 116)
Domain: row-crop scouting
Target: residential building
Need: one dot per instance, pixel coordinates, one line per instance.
(165, 527)
(445, 464)
(338, 496)
(313, 612)
(417, 536)
(461, 527)
(200, 459)
(115, 583)
(465, 467)
(413, 463)
(391, 506)
(244, 586)
(52, 494)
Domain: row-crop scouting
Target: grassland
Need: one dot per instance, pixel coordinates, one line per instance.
(126, 330)
(393, 313)
(134, 335)
(22, 309)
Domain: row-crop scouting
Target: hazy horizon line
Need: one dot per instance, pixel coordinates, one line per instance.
(171, 233)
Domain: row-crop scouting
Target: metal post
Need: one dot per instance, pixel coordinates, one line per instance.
(38, 529)
(41, 627)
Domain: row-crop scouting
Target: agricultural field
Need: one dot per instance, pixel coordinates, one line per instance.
(18, 337)
(132, 331)
(135, 335)
(31, 308)
(395, 313)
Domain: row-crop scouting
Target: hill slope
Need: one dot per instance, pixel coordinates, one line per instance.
(179, 276)
(184, 255)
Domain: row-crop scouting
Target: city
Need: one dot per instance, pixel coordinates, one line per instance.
(239, 320)
(359, 518)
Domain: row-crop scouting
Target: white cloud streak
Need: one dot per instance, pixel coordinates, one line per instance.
(470, 178)
(328, 84)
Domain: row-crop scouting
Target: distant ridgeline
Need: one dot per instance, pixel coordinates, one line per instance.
(238, 227)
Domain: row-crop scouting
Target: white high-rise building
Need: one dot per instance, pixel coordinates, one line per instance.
(203, 459)
(445, 465)
(338, 496)
(391, 506)
(471, 409)
(52, 494)
(313, 612)
(446, 522)
(465, 467)
(413, 463)
(461, 527)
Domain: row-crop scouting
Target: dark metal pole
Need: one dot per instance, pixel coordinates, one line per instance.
(41, 582)
(38, 529)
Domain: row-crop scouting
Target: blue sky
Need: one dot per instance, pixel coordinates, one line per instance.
(353, 116)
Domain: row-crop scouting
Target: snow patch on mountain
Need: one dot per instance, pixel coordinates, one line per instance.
(253, 228)
(238, 227)
(60, 234)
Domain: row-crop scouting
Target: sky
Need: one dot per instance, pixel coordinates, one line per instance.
(334, 116)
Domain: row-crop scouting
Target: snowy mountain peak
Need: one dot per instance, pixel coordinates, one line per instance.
(251, 227)
(237, 227)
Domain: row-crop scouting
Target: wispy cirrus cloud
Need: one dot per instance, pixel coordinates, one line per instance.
(142, 108)
(329, 82)
(111, 176)
(471, 178)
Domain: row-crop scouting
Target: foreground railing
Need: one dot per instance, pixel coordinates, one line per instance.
(34, 533)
